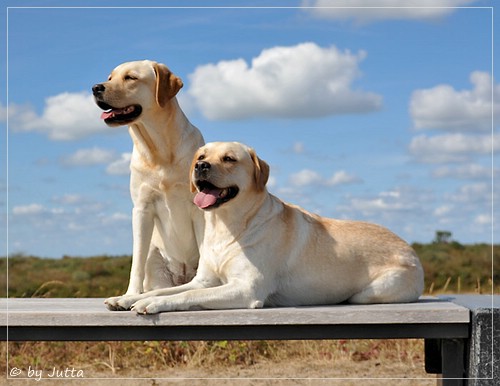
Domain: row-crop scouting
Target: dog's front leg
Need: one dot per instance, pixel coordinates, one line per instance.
(125, 302)
(142, 228)
(227, 296)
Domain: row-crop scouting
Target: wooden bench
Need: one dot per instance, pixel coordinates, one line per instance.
(458, 330)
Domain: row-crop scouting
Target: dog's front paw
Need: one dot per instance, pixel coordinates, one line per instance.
(120, 303)
(152, 305)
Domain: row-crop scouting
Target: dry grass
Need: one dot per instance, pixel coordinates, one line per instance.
(254, 359)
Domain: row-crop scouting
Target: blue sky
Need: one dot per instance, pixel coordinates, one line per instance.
(376, 114)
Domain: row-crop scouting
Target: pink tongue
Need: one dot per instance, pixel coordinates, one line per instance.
(113, 112)
(206, 198)
(107, 114)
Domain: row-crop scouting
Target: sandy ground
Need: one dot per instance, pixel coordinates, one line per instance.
(262, 374)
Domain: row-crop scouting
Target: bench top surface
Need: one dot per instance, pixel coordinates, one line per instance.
(475, 302)
(53, 312)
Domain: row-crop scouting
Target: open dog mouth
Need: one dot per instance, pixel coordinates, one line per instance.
(122, 115)
(210, 196)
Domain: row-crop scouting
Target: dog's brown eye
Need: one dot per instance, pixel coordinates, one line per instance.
(201, 157)
(130, 77)
(228, 159)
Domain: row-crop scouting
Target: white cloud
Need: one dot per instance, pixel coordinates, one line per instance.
(286, 82)
(471, 205)
(369, 206)
(72, 223)
(391, 206)
(452, 147)
(89, 157)
(308, 177)
(115, 217)
(69, 199)
(342, 178)
(415, 212)
(443, 210)
(466, 171)
(35, 210)
(20, 118)
(471, 194)
(483, 219)
(298, 148)
(121, 166)
(443, 107)
(28, 210)
(366, 11)
(66, 116)
(117, 165)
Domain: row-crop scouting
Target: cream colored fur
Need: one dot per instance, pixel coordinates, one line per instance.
(167, 228)
(258, 250)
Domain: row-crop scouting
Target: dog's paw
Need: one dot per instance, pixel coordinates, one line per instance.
(152, 305)
(120, 303)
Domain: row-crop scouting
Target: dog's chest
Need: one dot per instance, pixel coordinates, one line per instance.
(159, 181)
(217, 245)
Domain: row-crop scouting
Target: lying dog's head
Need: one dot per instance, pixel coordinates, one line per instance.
(133, 88)
(224, 171)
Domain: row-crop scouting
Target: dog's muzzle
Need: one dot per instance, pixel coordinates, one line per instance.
(201, 170)
(114, 116)
(210, 196)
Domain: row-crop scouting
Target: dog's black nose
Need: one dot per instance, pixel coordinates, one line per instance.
(202, 166)
(98, 88)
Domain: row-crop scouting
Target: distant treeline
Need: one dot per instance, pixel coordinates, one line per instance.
(449, 267)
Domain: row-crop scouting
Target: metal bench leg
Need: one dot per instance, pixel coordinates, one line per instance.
(446, 357)
(453, 362)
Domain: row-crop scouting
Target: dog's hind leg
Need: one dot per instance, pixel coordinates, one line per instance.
(396, 285)
(157, 274)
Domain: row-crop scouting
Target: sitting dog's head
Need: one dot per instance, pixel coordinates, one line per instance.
(225, 171)
(135, 87)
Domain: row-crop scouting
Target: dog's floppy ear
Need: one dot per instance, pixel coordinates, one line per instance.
(261, 171)
(167, 84)
(191, 171)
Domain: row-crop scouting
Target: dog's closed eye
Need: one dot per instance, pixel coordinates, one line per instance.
(228, 158)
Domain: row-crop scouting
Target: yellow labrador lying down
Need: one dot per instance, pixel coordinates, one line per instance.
(258, 250)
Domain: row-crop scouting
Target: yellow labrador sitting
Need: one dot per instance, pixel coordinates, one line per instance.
(166, 228)
(258, 250)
